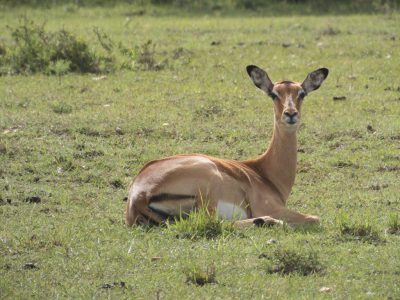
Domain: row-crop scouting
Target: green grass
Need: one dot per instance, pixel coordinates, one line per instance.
(69, 146)
(201, 224)
(361, 230)
(394, 224)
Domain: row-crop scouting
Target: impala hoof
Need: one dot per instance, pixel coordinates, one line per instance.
(266, 221)
(259, 222)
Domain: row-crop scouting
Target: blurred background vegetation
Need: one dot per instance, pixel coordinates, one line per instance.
(262, 6)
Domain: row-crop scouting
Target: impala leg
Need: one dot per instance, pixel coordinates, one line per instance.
(294, 218)
(278, 218)
(260, 221)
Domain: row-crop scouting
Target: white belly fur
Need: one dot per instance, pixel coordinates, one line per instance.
(230, 211)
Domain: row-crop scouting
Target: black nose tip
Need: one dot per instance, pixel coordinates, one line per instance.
(290, 115)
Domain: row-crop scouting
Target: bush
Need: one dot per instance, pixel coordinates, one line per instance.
(38, 51)
(142, 58)
(61, 52)
(66, 47)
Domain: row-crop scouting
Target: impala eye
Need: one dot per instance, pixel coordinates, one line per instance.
(302, 95)
(273, 96)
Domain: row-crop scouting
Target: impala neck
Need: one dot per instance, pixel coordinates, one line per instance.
(278, 163)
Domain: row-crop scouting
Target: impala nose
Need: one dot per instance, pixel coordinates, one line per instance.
(291, 117)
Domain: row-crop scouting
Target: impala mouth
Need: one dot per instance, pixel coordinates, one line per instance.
(291, 121)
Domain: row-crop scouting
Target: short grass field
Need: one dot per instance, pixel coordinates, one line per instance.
(71, 144)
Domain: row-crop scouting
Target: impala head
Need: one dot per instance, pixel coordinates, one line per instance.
(287, 95)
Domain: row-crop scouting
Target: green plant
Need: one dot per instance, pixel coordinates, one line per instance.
(37, 50)
(200, 276)
(142, 57)
(287, 261)
(65, 46)
(61, 108)
(3, 50)
(358, 230)
(59, 68)
(58, 53)
(146, 56)
(394, 224)
(200, 223)
(32, 51)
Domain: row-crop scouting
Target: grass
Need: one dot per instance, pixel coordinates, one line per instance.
(361, 230)
(394, 224)
(70, 144)
(201, 224)
(196, 275)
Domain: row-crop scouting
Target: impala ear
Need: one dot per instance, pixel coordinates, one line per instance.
(314, 80)
(260, 78)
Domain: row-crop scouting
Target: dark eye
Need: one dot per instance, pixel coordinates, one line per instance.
(302, 95)
(273, 96)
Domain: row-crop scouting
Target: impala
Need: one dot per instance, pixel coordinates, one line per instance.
(250, 191)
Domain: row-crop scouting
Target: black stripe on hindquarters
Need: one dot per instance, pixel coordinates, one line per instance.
(162, 214)
(164, 197)
(167, 217)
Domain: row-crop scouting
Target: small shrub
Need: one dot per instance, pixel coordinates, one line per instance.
(108, 61)
(31, 50)
(88, 131)
(286, 261)
(209, 111)
(146, 56)
(62, 108)
(142, 57)
(394, 224)
(201, 224)
(362, 231)
(198, 276)
(69, 48)
(117, 184)
(3, 50)
(59, 67)
(64, 164)
(330, 31)
(105, 41)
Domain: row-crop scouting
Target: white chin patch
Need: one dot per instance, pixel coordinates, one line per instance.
(229, 211)
(289, 120)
